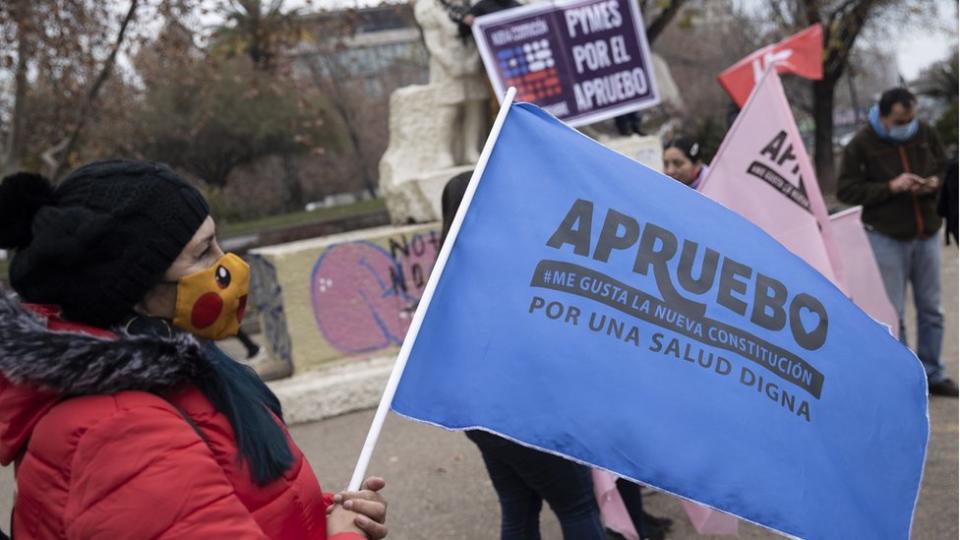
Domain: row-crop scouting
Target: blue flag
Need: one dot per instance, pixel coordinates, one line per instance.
(597, 309)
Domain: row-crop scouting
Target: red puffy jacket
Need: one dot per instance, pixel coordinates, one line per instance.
(127, 464)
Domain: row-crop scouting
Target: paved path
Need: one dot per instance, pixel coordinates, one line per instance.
(438, 487)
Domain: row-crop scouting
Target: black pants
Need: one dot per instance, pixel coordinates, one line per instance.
(524, 478)
(630, 493)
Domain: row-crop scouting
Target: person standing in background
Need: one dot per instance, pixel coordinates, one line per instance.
(894, 168)
(683, 161)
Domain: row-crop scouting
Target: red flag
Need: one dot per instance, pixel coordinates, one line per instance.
(800, 54)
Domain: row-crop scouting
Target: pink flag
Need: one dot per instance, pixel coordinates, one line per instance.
(763, 173)
(615, 517)
(864, 283)
(612, 509)
(708, 521)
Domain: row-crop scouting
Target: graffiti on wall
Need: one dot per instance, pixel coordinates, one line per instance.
(364, 294)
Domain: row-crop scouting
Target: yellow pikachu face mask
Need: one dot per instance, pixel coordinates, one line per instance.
(211, 303)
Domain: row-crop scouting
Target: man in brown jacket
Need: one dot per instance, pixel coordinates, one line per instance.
(893, 167)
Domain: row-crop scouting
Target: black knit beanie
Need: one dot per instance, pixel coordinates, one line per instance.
(100, 240)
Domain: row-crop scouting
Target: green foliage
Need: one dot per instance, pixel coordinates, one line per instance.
(211, 117)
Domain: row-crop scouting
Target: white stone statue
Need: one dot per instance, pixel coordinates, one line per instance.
(436, 129)
(458, 74)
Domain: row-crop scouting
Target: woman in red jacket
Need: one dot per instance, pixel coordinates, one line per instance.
(122, 418)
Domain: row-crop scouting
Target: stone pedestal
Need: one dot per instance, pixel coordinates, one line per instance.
(436, 130)
(420, 158)
(417, 200)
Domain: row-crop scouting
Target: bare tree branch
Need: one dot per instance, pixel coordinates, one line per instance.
(849, 26)
(331, 82)
(777, 12)
(657, 26)
(14, 143)
(842, 23)
(64, 148)
(799, 98)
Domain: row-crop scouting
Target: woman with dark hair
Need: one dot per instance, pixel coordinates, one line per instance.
(122, 417)
(683, 161)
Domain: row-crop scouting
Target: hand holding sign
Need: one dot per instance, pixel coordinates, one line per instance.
(584, 61)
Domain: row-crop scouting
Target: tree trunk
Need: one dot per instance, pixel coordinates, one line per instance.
(340, 105)
(354, 136)
(293, 194)
(823, 134)
(13, 153)
(659, 24)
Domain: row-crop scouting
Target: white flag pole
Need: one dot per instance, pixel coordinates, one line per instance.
(364, 460)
